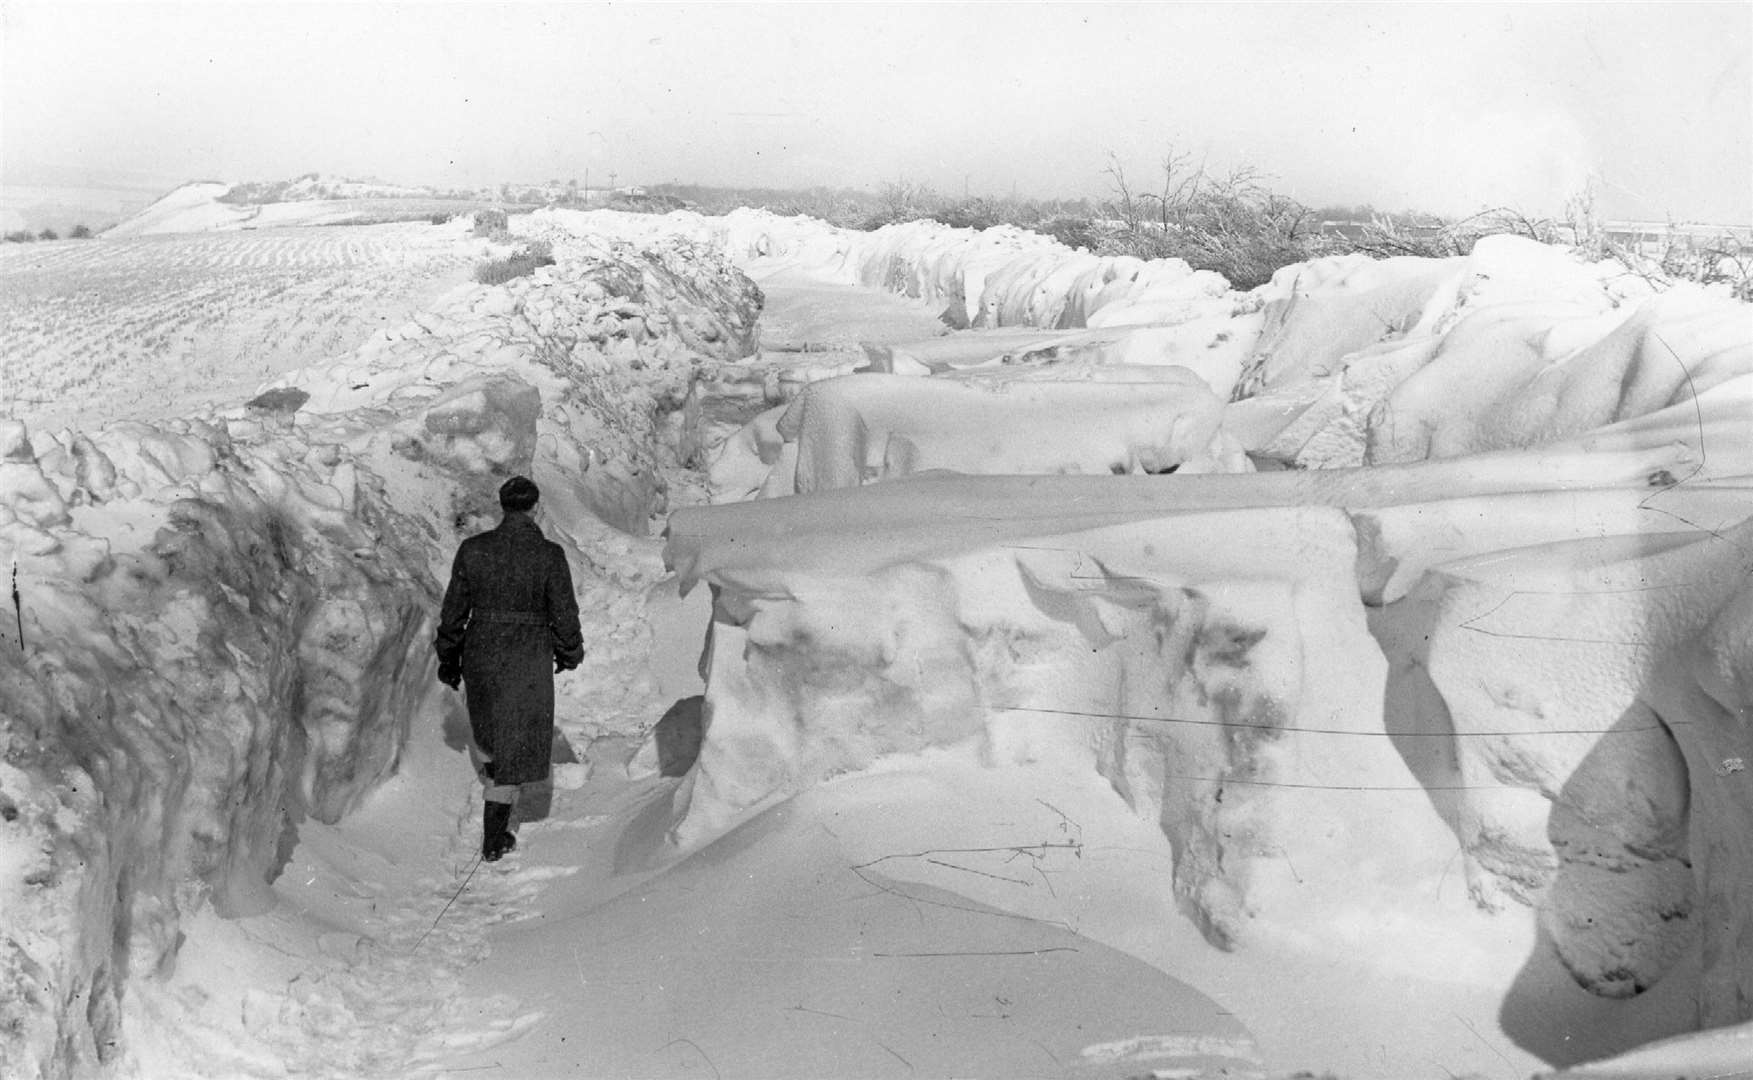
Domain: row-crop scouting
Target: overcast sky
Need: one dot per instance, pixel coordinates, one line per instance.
(1450, 107)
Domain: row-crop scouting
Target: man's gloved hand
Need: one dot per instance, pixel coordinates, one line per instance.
(450, 673)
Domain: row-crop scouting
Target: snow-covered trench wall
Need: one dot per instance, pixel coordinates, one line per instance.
(227, 620)
(1510, 566)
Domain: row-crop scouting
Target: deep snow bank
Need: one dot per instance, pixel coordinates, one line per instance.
(612, 339)
(1597, 677)
(1342, 361)
(1217, 667)
(221, 636)
(1518, 637)
(984, 278)
(227, 621)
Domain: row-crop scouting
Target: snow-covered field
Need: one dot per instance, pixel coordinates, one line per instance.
(1115, 676)
(153, 325)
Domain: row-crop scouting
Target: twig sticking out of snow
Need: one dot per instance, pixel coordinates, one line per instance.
(17, 605)
(470, 876)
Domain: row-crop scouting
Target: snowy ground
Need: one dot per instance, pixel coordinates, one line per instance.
(884, 895)
(163, 325)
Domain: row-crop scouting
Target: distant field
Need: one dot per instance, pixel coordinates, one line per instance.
(360, 211)
(99, 330)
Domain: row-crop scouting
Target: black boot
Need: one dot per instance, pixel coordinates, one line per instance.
(496, 838)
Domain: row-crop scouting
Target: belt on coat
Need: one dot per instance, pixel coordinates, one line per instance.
(521, 618)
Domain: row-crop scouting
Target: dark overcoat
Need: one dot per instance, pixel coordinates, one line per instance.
(511, 620)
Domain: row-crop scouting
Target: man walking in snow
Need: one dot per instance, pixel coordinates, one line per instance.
(508, 612)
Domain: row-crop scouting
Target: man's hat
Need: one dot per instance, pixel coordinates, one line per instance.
(518, 493)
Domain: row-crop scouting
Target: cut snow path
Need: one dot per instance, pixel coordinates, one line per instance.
(792, 946)
(797, 945)
(353, 974)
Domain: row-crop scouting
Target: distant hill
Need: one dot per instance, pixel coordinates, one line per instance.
(213, 206)
(190, 208)
(318, 199)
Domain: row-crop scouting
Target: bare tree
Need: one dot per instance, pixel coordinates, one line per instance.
(1117, 178)
(1180, 186)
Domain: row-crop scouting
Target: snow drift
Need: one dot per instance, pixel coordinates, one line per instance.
(227, 620)
(1531, 610)
(220, 637)
(851, 429)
